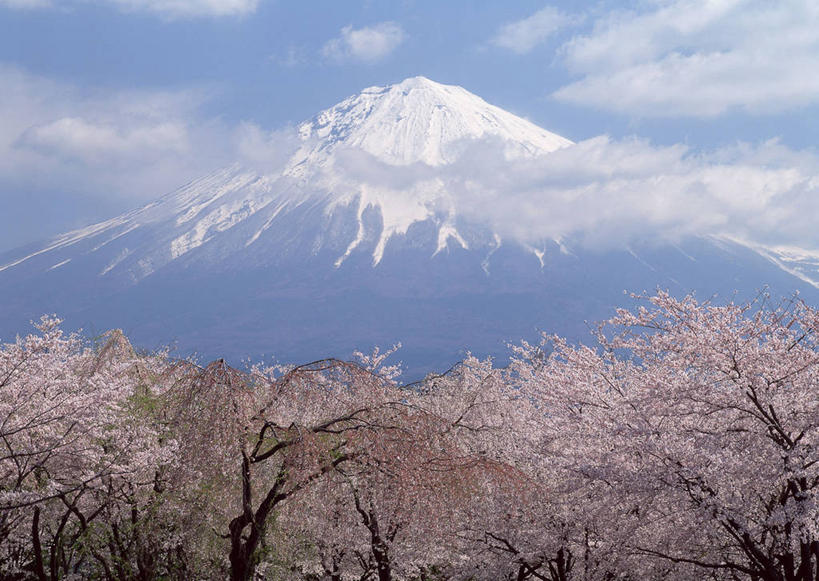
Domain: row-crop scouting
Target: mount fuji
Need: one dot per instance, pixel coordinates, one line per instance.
(365, 236)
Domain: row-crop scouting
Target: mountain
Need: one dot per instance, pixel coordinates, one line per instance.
(250, 216)
(360, 239)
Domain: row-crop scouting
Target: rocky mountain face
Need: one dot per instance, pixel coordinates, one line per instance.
(360, 239)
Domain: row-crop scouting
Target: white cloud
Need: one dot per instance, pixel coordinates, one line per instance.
(698, 58)
(164, 8)
(369, 44)
(87, 141)
(128, 144)
(606, 193)
(524, 35)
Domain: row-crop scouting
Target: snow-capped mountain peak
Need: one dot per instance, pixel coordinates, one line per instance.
(418, 120)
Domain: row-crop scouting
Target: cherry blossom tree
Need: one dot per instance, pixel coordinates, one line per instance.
(396, 511)
(77, 453)
(694, 433)
(278, 435)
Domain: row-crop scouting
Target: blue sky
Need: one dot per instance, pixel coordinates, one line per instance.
(105, 104)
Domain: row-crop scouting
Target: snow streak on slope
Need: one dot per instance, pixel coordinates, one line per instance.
(70, 238)
(800, 262)
(803, 263)
(162, 226)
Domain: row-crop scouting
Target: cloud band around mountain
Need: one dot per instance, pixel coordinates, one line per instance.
(606, 193)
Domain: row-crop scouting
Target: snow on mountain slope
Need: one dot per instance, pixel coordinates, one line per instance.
(161, 231)
(802, 263)
(415, 124)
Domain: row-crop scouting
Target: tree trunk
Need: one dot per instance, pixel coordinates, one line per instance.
(39, 569)
(378, 546)
(382, 559)
(241, 551)
(240, 569)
